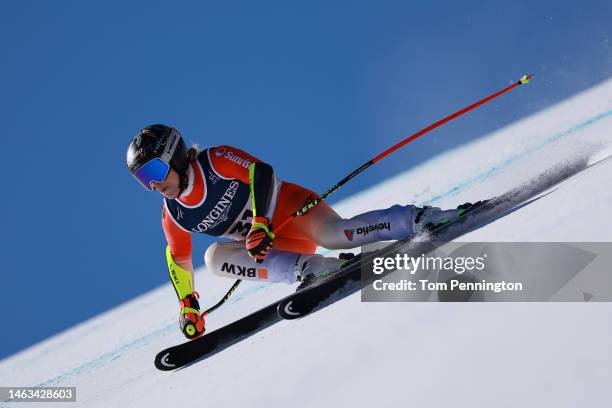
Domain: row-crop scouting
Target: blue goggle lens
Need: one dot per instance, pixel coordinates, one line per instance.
(153, 170)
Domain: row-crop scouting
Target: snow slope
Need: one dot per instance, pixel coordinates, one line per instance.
(385, 354)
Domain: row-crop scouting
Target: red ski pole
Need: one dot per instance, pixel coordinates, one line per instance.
(309, 205)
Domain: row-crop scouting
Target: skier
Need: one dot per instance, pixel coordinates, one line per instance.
(225, 192)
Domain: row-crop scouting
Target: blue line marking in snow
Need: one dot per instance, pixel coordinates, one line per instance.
(110, 356)
(496, 168)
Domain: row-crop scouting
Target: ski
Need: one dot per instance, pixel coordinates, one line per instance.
(348, 280)
(194, 350)
(324, 291)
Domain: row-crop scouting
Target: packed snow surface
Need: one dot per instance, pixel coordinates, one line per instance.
(385, 354)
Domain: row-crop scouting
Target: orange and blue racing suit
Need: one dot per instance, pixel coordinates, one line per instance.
(217, 201)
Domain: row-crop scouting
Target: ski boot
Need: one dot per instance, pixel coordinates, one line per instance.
(318, 268)
(191, 321)
(429, 219)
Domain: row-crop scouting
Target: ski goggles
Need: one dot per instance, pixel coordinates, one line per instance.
(153, 170)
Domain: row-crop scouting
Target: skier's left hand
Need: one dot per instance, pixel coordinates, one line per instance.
(259, 239)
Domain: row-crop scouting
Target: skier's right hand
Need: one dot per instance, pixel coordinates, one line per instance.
(260, 238)
(191, 321)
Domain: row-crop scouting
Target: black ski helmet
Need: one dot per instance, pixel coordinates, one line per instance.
(158, 141)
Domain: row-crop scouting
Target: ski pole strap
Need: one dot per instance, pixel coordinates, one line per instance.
(525, 79)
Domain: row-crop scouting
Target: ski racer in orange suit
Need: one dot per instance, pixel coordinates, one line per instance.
(225, 192)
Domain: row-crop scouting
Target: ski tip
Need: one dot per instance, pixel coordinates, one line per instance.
(525, 79)
(162, 361)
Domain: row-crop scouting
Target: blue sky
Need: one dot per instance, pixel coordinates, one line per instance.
(314, 88)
